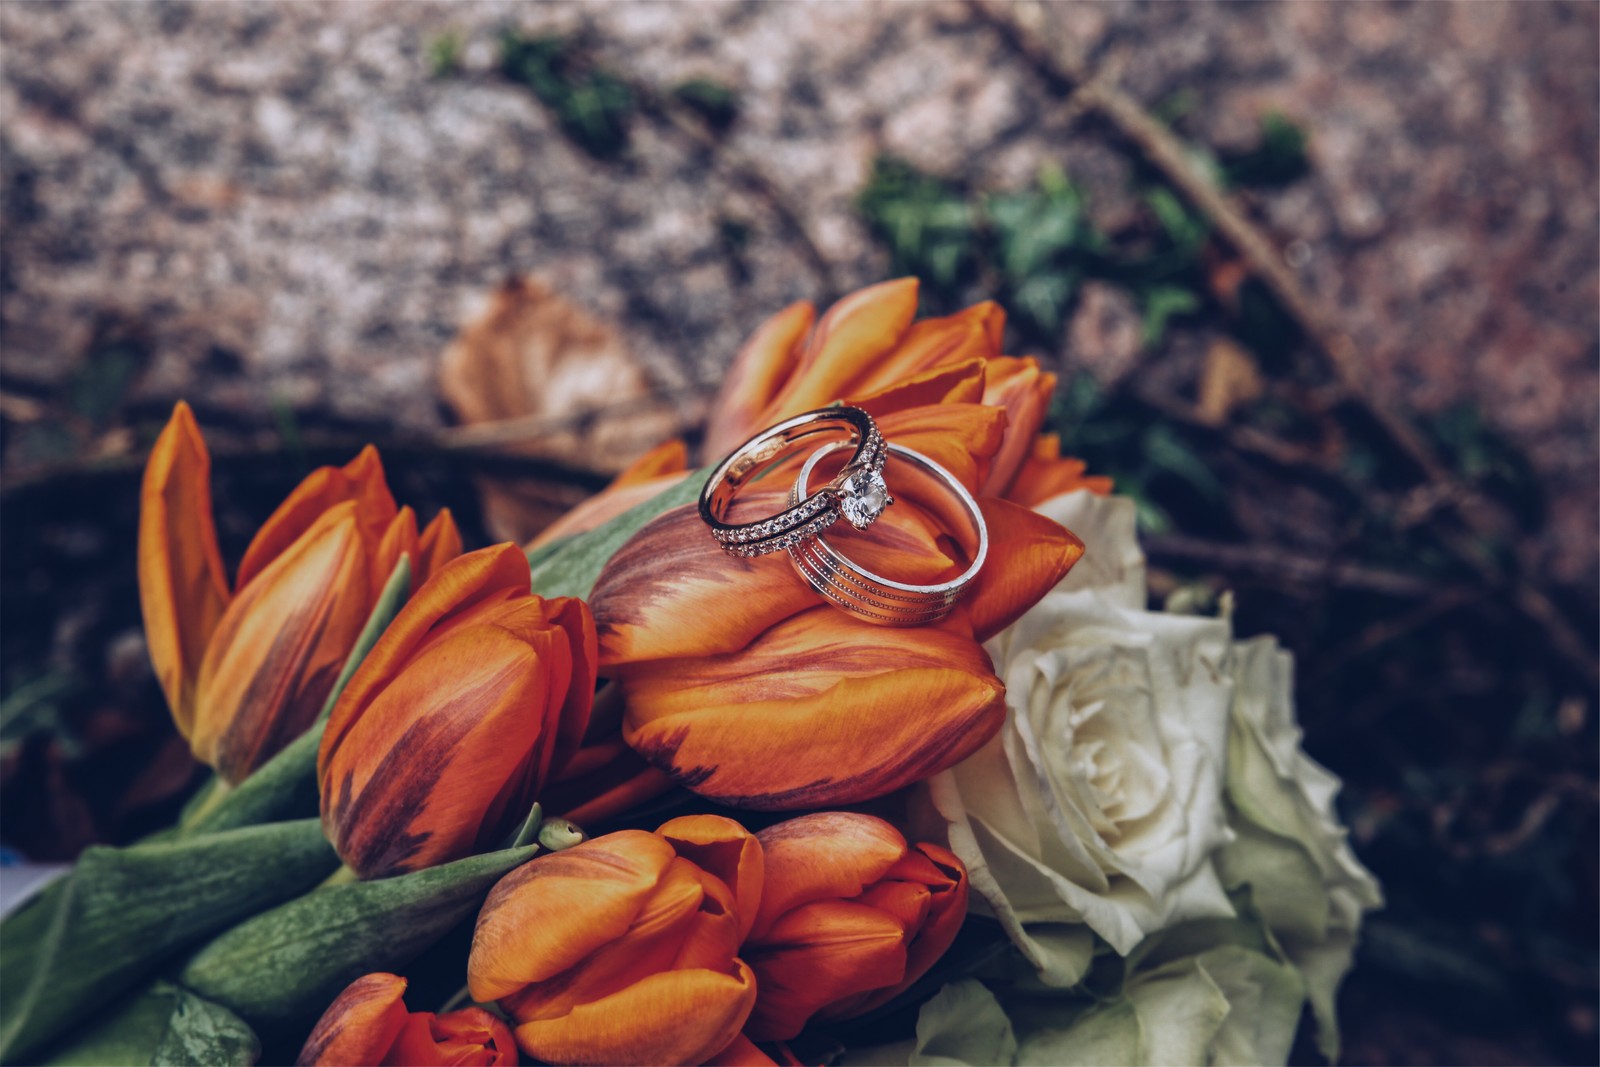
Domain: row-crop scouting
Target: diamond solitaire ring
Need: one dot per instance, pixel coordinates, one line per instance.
(852, 588)
(858, 493)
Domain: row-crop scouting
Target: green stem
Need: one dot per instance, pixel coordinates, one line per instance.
(462, 997)
(216, 792)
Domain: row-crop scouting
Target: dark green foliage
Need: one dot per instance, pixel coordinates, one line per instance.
(716, 104)
(927, 225)
(1280, 158)
(593, 106)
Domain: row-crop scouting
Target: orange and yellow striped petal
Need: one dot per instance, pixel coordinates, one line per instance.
(183, 589)
(279, 647)
(360, 1026)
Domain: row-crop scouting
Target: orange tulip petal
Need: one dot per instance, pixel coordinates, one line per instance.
(669, 457)
(485, 577)
(827, 854)
(470, 1037)
(758, 372)
(721, 847)
(450, 741)
(361, 480)
(183, 588)
(573, 617)
(399, 539)
(1045, 475)
(741, 1053)
(817, 954)
(961, 438)
(854, 335)
(973, 333)
(360, 1025)
(280, 645)
(961, 383)
(653, 943)
(853, 711)
(677, 1017)
(603, 507)
(553, 911)
(1024, 391)
(601, 781)
(1028, 555)
(672, 591)
(439, 544)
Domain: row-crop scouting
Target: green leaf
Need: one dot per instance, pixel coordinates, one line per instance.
(165, 1024)
(1161, 304)
(285, 787)
(572, 568)
(123, 911)
(284, 967)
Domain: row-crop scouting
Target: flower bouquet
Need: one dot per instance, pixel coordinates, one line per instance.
(857, 744)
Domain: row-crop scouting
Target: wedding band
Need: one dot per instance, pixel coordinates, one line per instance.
(858, 493)
(856, 590)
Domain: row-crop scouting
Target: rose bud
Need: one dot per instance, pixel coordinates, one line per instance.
(850, 916)
(624, 949)
(368, 1024)
(473, 695)
(247, 670)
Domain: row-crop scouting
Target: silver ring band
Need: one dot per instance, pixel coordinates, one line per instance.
(858, 493)
(856, 590)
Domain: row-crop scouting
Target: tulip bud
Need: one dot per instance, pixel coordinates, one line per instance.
(624, 949)
(368, 1024)
(850, 916)
(247, 671)
(456, 718)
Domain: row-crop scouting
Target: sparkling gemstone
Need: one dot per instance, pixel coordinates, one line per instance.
(862, 498)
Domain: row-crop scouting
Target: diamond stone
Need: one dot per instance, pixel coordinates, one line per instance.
(862, 498)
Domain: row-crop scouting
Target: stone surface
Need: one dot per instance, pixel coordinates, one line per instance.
(290, 213)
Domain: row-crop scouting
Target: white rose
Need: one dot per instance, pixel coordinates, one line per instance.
(1290, 848)
(1099, 803)
(1216, 995)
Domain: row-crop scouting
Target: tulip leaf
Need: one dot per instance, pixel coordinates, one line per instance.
(285, 966)
(124, 911)
(285, 787)
(165, 1024)
(574, 565)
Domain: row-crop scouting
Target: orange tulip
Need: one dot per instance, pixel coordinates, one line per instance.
(456, 718)
(624, 949)
(850, 916)
(246, 671)
(725, 662)
(368, 1024)
(867, 344)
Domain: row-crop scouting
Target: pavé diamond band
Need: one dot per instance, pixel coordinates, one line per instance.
(854, 589)
(858, 494)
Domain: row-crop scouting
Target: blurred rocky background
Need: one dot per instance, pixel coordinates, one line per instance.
(1356, 383)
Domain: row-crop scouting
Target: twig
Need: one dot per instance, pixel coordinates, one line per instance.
(1275, 564)
(744, 172)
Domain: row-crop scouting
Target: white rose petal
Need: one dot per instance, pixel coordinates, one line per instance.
(1100, 800)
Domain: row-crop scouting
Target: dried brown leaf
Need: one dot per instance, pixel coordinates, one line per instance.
(1228, 380)
(565, 387)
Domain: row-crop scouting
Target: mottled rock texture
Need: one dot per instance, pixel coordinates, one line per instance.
(286, 208)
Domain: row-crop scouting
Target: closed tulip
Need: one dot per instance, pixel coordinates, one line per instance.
(850, 916)
(444, 736)
(368, 1024)
(246, 669)
(724, 662)
(624, 949)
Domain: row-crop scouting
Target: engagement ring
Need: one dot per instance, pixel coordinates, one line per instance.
(858, 494)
